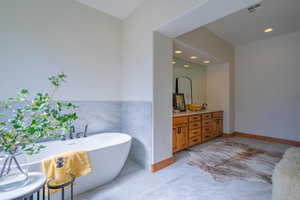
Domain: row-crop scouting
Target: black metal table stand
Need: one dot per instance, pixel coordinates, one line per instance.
(35, 195)
(51, 185)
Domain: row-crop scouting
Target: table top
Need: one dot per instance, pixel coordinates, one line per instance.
(35, 182)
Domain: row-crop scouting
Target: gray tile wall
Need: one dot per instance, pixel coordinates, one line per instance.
(136, 120)
(130, 117)
(101, 116)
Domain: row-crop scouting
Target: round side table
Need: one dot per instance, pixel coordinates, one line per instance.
(30, 191)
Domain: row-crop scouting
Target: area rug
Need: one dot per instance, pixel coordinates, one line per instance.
(227, 160)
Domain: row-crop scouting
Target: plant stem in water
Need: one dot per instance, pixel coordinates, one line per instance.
(9, 165)
(3, 167)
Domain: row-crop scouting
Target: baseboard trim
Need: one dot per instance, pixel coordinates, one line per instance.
(162, 164)
(266, 138)
(228, 135)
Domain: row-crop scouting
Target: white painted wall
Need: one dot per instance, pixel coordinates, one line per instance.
(215, 46)
(163, 74)
(138, 74)
(40, 38)
(198, 75)
(218, 90)
(267, 87)
(137, 49)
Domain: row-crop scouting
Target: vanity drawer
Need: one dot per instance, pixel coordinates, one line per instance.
(206, 116)
(194, 125)
(195, 140)
(195, 118)
(180, 120)
(206, 137)
(206, 129)
(206, 123)
(194, 133)
(217, 115)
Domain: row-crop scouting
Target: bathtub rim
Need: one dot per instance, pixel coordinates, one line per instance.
(128, 140)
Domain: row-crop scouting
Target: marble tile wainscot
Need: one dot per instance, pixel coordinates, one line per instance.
(101, 116)
(136, 120)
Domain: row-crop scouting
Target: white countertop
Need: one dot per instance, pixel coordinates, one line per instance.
(187, 113)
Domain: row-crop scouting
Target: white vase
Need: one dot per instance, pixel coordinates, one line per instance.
(13, 171)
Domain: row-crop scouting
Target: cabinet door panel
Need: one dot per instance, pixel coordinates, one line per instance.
(217, 115)
(217, 127)
(220, 127)
(214, 128)
(182, 137)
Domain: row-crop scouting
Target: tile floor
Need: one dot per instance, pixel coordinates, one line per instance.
(181, 181)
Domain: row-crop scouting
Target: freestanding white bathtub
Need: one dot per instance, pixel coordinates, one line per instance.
(107, 152)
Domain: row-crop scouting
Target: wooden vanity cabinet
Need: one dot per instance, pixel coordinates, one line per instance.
(195, 129)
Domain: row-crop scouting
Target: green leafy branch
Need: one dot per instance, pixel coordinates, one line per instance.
(24, 122)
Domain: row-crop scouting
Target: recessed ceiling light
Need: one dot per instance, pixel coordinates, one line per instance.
(268, 30)
(186, 66)
(173, 62)
(206, 61)
(178, 52)
(193, 57)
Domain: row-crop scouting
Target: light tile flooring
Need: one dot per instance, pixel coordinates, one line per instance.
(182, 182)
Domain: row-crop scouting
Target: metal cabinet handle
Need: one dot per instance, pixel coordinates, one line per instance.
(179, 130)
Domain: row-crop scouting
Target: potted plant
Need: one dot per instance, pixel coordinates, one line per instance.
(24, 122)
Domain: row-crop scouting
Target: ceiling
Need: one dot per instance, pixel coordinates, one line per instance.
(244, 27)
(188, 51)
(117, 8)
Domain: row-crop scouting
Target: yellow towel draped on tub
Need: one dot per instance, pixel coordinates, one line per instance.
(76, 163)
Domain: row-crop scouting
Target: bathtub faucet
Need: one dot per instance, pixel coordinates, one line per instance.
(83, 134)
(72, 130)
(72, 133)
(85, 131)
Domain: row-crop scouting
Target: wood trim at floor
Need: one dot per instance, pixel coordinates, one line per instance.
(266, 138)
(162, 164)
(228, 135)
